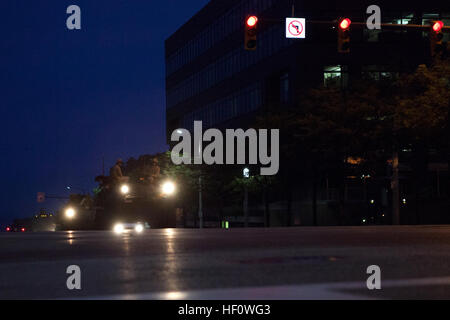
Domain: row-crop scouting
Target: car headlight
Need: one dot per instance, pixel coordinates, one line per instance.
(119, 228)
(168, 188)
(70, 213)
(139, 228)
(125, 189)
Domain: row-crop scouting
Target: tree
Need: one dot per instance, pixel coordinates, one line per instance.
(216, 185)
(421, 117)
(369, 121)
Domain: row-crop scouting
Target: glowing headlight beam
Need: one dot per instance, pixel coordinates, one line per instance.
(139, 228)
(119, 228)
(125, 189)
(70, 213)
(168, 188)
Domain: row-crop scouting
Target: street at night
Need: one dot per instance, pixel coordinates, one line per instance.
(256, 264)
(221, 159)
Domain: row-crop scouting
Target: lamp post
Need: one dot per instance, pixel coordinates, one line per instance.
(395, 189)
(200, 202)
(168, 190)
(246, 175)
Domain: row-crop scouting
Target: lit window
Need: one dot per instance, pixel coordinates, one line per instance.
(374, 72)
(335, 76)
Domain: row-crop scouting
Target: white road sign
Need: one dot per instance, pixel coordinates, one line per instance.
(295, 28)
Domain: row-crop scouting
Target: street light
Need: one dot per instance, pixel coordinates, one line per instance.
(436, 38)
(437, 26)
(252, 21)
(344, 35)
(125, 189)
(345, 24)
(70, 213)
(251, 26)
(168, 188)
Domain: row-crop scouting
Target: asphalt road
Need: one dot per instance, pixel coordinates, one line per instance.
(297, 263)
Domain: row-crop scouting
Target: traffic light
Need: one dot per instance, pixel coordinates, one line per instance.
(344, 35)
(436, 37)
(251, 25)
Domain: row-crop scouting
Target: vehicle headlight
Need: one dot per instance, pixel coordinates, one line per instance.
(168, 188)
(125, 189)
(119, 228)
(139, 228)
(70, 213)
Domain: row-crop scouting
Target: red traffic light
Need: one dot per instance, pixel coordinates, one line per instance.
(252, 21)
(8, 229)
(345, 24)
(437, 26)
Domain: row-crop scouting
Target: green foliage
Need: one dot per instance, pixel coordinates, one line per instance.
(365, 122)
(369, 116)
(422, 102)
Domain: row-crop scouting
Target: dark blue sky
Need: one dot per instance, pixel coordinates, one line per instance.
(68, 98)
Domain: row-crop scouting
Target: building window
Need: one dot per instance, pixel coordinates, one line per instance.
(242, 102)
(407, 18)
(377, 73)
(226, 66)
(428, 18)
(371, 35)
(228, 23)
(335, 76)
(284, 88)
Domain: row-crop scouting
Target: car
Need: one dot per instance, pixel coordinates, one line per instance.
(137, 227)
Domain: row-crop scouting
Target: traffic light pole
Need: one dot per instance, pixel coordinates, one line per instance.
(383, 25)
(334, 22)
(200, 202)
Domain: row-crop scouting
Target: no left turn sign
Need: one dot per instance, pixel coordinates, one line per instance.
(295, 28)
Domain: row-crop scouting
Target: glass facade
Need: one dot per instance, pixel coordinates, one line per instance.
(227, 108)
(235, 61)
(228, 23)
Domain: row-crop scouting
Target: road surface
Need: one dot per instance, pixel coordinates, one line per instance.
(297, 263)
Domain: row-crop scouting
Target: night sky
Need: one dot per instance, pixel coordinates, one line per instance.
(68, 98)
